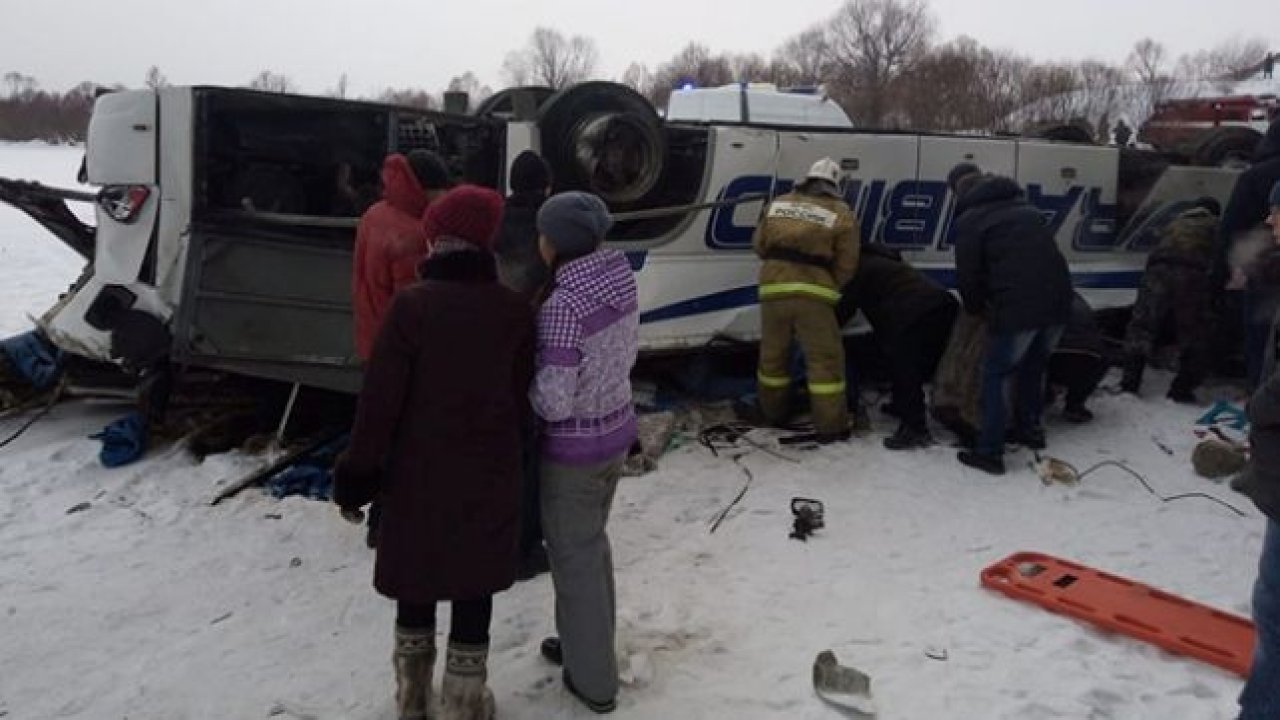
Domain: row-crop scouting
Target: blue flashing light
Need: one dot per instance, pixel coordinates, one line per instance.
(687, 86)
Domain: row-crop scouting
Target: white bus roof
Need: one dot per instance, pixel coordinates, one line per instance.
(756, 103)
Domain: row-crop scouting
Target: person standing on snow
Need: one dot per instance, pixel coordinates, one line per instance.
(912, 318)
(1246, 211)
(587, 344)
(437, 434)
(1176, 283)
(1079, 362)
(1008, 269)
(521, 268)
(389, 240)
(389, 246)
(1260, 480)
(809, 242)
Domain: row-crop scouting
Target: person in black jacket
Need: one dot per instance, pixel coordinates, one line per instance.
(1009, 269)
(1246, 211)
(1079, 362)
(1260, 480)
(521, 268)
(912, 318)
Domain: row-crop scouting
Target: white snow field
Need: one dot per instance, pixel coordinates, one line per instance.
(151, 604)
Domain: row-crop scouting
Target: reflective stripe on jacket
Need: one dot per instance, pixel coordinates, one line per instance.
(798, 233)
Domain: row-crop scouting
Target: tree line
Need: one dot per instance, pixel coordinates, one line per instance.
(879, 59)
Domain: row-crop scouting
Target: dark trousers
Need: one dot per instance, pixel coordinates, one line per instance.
(468, 621)
(913, 358)
(1024, 356)
(1079, 373)
(1257, 328)
(530, 492)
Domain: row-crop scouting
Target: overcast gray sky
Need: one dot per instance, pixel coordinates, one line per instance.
(424, 43)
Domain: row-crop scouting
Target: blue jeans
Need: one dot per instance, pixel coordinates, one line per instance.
(1257, 329)
(1260, 699)
(1025, 355)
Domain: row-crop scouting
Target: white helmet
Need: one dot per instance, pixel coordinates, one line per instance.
(825, 169)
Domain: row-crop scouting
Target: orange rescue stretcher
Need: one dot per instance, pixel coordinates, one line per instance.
(1127, 607)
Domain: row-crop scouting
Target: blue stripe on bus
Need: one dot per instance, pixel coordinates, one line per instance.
(746, 296)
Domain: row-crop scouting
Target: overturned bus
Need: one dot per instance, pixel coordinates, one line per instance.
(225, 217)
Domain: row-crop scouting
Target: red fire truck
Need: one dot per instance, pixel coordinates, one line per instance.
(1213, 131)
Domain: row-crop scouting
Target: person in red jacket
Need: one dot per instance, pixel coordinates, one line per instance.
(389, 239)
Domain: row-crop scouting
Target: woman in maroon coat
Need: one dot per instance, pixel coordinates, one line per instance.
(437, 439)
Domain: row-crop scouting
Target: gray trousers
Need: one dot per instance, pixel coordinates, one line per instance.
(575, 509)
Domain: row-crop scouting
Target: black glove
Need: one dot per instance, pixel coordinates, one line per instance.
(353, 487)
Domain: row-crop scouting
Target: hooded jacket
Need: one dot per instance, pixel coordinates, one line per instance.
(1008, 266)
(520, 265)
(390, 243)
(1249, 204)
(809, 245)
(587, 345)
(1187, 241)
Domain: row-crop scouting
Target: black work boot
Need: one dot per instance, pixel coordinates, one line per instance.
(978, 461)
(836, 437)
(1077, 414)
(1032, 438)
(1183, 389)
(909, 437)
(1131, 382)
(1182, 394)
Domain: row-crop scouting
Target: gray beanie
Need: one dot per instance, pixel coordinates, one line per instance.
(574, 223)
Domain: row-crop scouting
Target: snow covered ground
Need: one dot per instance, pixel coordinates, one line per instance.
(151, 604)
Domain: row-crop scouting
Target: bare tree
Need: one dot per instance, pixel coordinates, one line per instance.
(872, 43)
(468, 83)
(962, 86)
(1225, 63)
(552, 59)
(749, 67)
(694, 65)
(807, 55)
(1149, 65)
(19, 84)
(341, 89)
(638, 78)
(272, 82)
(155, 79)
(409, 97)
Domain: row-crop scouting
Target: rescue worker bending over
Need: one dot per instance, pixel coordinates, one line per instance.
(808, 240)
(1177, 283)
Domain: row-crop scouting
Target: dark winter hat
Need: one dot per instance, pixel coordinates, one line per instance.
(1275, 195)
(430, 169)
(530, 173)
(468, 212)
(574, 223)
(1211, 204)
(959, 172)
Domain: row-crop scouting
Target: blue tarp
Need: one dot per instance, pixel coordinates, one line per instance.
(123, 441)
(35, 358)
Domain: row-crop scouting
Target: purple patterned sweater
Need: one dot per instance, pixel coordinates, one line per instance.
(587, 343)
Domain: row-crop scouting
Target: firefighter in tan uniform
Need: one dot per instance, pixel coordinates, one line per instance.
(809, 241)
